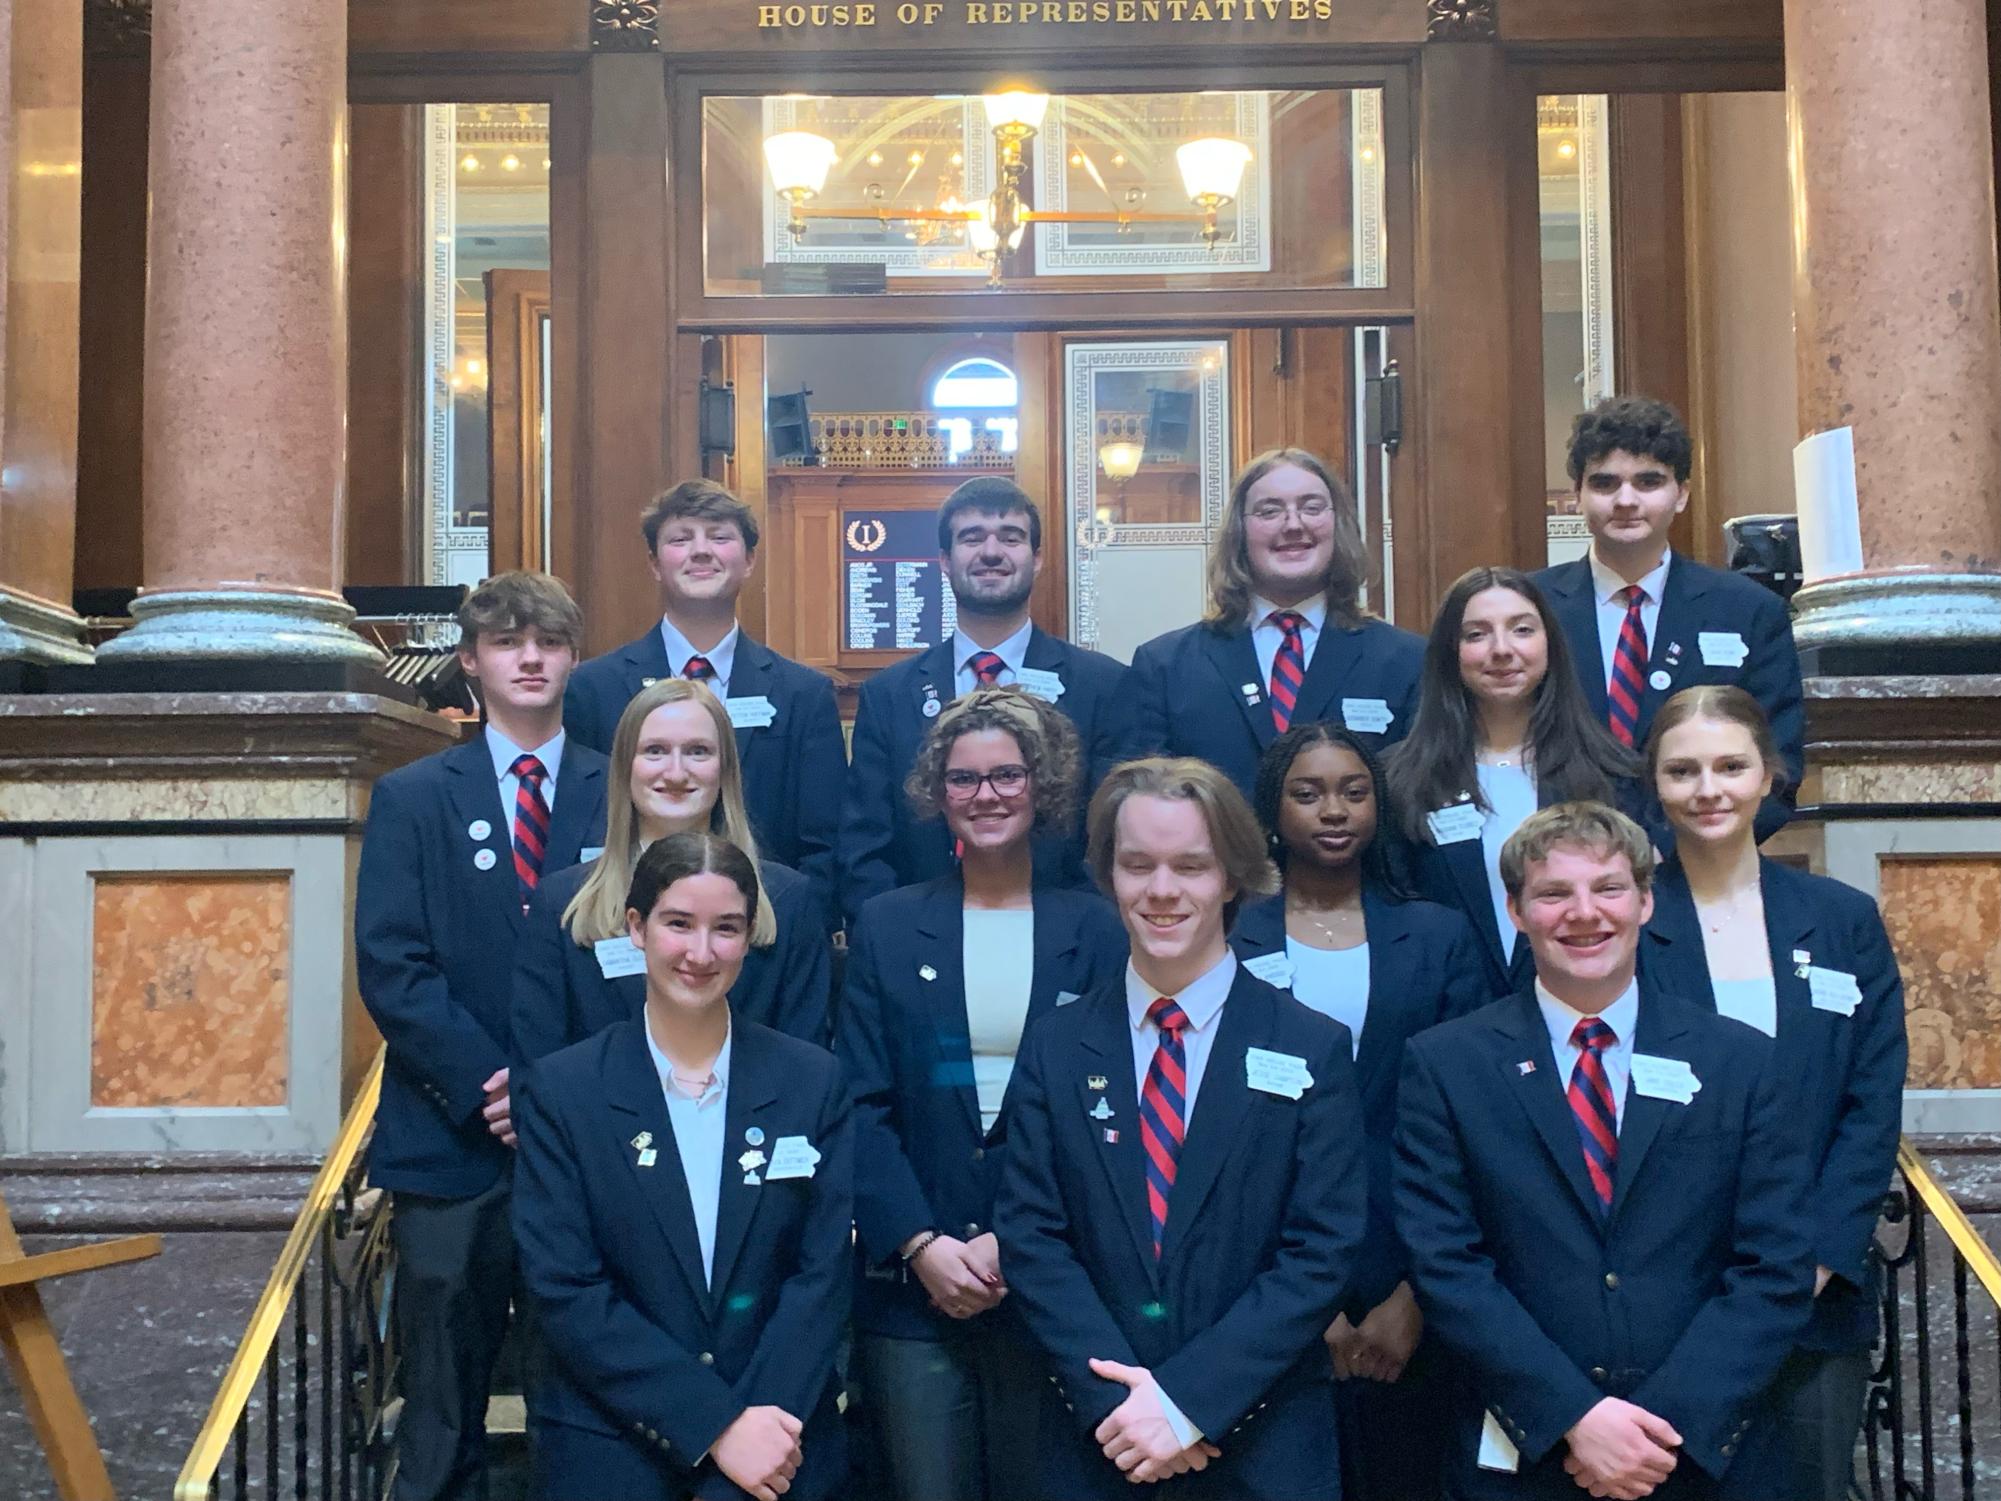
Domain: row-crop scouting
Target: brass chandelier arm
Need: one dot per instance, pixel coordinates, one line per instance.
(1026, 216)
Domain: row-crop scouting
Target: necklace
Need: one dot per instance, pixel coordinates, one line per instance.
(1335, 923)
(1512, 755)
(1716, 916)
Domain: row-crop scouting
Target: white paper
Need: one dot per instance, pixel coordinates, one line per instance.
(589, 853)
(1273, 969)
(793, 1157)
(1371, 716)
(1041, 682)
(1276, 1073)
(1664, 1078)
(1833, 990)
(1722, 648)
(617, 957)
(1824, 495)
(1497, 1451)
(750, 713)
(1455, 824)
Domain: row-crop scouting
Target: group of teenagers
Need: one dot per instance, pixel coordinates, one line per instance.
(1313, 1060)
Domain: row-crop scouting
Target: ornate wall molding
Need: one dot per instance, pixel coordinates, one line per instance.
(625, 26)
(118, 26)
(1462, 21)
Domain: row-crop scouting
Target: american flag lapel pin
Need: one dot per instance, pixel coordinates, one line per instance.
(1526, 1067)
(1112, 1135)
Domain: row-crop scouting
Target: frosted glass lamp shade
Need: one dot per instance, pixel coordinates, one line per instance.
(1212, 168)
(1120, 460)
(1016, 108)
(799, 161)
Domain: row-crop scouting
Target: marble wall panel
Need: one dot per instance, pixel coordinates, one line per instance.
(190, 994)
(1944, 916)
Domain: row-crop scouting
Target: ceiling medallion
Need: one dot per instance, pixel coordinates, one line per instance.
(625, 26)
(1462, 21)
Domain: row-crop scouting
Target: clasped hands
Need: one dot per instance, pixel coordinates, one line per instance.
(1621, 1450)
(1137, 1437)
(1381, 1345)
(963, 1277)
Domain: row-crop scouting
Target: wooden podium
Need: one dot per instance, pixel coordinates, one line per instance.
(37, 1360)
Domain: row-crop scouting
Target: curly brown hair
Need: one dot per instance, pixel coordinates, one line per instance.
(1049, 749)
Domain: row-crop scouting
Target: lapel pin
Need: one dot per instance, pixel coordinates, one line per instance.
(1660, 681)
(751, 1161)
(1674, 652)
(1111, 1136)
(479, 828)
(754, 1135)
(1096, 1081)
(1102, 1111)
(1251, 691)
(648, 1157)
(926, 972)
(648, 682)
(1801, 956)
(643, 1140)
(485, 860)
(751, 1180)
(1526, 1067)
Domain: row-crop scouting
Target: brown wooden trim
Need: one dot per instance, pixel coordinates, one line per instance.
(467, 26)
(1038, 469)
(1636, 68)
(758, 608)
(1629, 22)
(1704, 513)
(517, 302)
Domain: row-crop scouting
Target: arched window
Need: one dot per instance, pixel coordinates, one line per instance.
(976, 382)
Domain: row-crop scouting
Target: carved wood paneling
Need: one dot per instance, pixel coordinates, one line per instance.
(625, 26)
(1461, 21)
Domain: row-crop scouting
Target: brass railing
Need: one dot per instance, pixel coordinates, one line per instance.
(303, 1415)
(1914, 1450)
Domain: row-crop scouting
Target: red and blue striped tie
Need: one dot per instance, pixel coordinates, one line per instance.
(531, 823)
(986, 667)
(1629, 670)
(1163, 1111)
(1592, 1105)
(1288, 668)
(699, 669)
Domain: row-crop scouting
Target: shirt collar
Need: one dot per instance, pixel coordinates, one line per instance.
(664, 1066)
(1012, 651)
(1562, 1018)
(1314, 610)
(1199, 1000)
(1605, 583)
(505, 752)
(722, 656)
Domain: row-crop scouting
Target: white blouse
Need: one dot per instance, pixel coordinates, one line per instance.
(999, 958)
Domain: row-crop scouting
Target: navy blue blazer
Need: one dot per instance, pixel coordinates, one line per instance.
(434, 943)
(1266, 1219)
(905, 1042)
(793, 768)
(1684, 1299)
(1188, 698)
(1697, 598)
(1425, 967)
(561, 996)
(644, 1352)
(1846, 1072)
(1455, 875)
(883, 843)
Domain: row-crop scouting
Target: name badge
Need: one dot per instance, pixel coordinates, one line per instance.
(1497, 1450)
(1722, 648)
(1833, 990)
(1371, 716)
(1273, 969)
(617, 957)
(1455, 824)
(793, 1157)
(1665, 1078)
(1281, 1074)
(752, 713)
(1041, 682)
(589, 853)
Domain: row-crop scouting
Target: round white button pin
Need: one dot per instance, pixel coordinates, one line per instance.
(931, 707)
(485, 859)
(479, 828)
(1660, 681)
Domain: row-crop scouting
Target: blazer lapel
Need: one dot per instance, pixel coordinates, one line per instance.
(1789, 929)
(632, 1091)
(644, 661)
(1235, 659)
(940, 948)
(935, 683)
(1056, 942)
(750, 677)
(1466, 862)
(1671, 949)
(475, 795)
(1337, 656)
(754, 1088)
(1575, 600)
(1675, 647)
(579, 804)
(1107, 1054)
(1645, 1115)
(1215, 1123)
(1392, 956)
(1539, 1084)
(1260, 928)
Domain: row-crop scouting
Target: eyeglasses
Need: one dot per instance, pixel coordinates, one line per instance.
(962, 786)
(1311, 508)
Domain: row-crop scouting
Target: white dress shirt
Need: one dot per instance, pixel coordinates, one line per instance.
(1621, 1016)
(1753, 1002)
(1266, 638)
(1202, 1002)
(998, 948)
(1607, 588)
(1510, 792)
(504, 752)
(699, 1128)
(1334, 982)
(722, 656)
(1013, 651)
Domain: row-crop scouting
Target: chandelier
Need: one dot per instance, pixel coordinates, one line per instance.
(1212, 171)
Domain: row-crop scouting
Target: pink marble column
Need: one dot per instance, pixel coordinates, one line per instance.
(41, 166)
(246, 335)
(1897, 307)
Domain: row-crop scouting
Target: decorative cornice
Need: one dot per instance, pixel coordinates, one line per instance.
(1462, 21)
(118, 26)
(625, 26)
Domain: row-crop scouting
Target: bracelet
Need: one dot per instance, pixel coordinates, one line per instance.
(923, 1244)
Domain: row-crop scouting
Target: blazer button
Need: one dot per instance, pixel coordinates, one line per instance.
(979, 1154)
(707, 1359)
(1729, 1448)
(1612, 1281)
(1598, 1374)
(972, 1231)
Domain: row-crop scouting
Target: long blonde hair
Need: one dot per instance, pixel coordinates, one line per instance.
(598, 909)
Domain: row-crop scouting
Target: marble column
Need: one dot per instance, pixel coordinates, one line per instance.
(41, 161)
(246, 337)
(1896, 314)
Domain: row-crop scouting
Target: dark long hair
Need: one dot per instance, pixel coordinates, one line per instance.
(1575, 758)
(1269, 793)
(690, 853)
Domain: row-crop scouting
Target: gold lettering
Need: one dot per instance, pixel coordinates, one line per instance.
(906, 14)
(819, 13)
(1002, 11)
(976, 13)
(767, 17)
(1080, 11)
(865, 15)
(932, 12)
(1301, 10)
(1101, 10)
(795, 15)
(1201, 12)
(1227, 9)
(1177, 10)
(1271, 10)
(1323, 10)
(1149, 10)
(843, 16)
(1052, 10)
